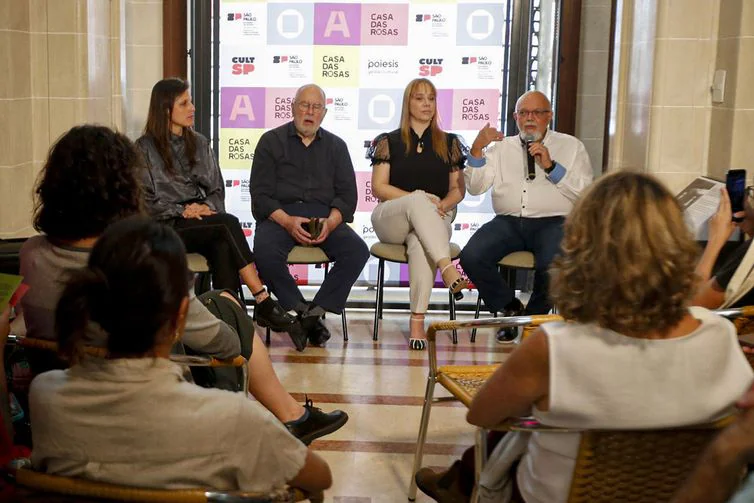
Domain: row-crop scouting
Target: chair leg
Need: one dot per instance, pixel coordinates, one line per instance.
(452, 307)
(476, 314)
(345, 325)
(480, 456)
(240, 293)
(423, 425)
(378, 297)
(267, 339)
(327, 269)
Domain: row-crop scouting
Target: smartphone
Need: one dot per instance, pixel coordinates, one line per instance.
(735, 184)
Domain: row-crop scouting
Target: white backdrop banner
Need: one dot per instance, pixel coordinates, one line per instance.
(363, 55)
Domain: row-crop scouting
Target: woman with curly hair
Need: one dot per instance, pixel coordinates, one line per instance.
(184, 189)
(631, 354)
(92, 178)
(417, 176)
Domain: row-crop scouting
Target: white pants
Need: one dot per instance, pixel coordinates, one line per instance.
(413, 220)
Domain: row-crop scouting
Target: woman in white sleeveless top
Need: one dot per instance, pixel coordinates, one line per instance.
(633, 354)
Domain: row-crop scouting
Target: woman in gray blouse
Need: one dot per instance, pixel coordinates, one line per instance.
(184, 188)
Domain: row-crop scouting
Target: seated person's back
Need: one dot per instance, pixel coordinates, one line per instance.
(130, 418)
(632, 354)
(136, 421)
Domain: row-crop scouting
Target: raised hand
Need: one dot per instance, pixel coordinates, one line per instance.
(486, 135)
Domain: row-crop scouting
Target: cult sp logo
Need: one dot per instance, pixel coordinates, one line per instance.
(429, 67)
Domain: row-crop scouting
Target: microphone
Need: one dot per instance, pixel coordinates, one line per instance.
(527, 140)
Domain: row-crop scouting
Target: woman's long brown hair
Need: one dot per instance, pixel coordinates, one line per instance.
(164, 94)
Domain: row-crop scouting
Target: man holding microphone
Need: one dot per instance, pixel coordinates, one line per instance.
(535, 178)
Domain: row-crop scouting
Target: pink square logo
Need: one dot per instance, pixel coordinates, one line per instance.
(279, 101)
(384, 24)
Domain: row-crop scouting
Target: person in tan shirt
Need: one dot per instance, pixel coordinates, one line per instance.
(130, 418)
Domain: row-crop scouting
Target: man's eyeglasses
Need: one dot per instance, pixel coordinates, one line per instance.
(536, 113)
(305, 106)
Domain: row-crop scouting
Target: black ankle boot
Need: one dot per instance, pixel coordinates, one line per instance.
(270, 314)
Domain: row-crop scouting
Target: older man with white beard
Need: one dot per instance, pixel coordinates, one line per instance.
(535, 178)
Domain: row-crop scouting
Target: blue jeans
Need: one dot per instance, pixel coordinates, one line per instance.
(507, 234)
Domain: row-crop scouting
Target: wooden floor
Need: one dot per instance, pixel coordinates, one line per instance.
(381, 386)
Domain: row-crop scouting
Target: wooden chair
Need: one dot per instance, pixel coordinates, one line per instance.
(463, 382)
(312, 255)
(33, 485)
(99, 352)
(507, 265)
(398, 253)
(640, 466)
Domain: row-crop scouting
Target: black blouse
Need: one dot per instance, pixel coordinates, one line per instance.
(418, 170)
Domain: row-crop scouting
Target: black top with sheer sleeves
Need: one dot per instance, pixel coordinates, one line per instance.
(418, 170)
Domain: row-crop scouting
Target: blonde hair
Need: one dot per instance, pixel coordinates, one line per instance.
(628, 258)
(439, 138)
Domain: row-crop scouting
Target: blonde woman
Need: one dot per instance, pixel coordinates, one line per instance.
(417, 176)
(632, 353)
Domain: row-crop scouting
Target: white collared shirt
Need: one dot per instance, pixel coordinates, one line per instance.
(513, 194)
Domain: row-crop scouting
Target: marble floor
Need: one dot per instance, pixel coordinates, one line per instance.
(381, 386)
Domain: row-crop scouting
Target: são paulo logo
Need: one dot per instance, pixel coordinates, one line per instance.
(294, 60)
(434, 18)
(245, 16)
(476, 60)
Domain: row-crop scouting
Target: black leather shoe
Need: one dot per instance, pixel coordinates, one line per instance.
(509, 334)
(316, 423)
(318, 335)
(270, 315)
(298, 335)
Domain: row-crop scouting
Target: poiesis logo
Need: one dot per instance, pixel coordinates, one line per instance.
(382, 67)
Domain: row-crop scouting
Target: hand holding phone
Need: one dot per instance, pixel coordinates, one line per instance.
(735, 184)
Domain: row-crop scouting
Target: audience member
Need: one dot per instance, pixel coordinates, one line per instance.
(536, 176)
(90, 180)
(631, 353)
(302, 173)
(169, 433)
(417, 176)
(184, 188)
(711, 293)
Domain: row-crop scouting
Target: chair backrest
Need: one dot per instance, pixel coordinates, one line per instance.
(99, 352)
(644, 466)
(35, 483)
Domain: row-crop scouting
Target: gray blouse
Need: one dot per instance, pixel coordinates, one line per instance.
(165, 195)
